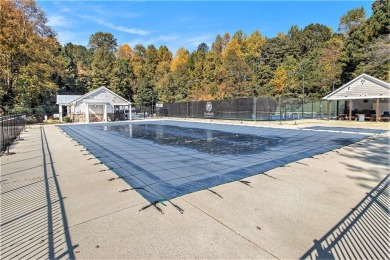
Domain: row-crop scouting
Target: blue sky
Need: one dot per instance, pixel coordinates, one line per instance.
(186, 23)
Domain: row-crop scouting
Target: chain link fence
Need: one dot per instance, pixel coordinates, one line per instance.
(10, 126)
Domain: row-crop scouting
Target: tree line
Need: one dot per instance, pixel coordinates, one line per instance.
(35, 67)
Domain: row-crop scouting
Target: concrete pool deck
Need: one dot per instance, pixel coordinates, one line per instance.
(59, 202)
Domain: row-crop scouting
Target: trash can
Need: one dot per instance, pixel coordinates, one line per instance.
(361, 117)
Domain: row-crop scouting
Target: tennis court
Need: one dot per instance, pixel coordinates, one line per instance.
(167, 159)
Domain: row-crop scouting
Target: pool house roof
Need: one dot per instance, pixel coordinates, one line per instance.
(93, 98)
(361, 87)
(66, 99)
(116, 99)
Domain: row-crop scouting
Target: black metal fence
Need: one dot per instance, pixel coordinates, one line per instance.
(10, 126)
(258, 108)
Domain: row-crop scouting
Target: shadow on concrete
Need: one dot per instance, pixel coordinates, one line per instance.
(362, 234)
(376, 153)
(33, 219)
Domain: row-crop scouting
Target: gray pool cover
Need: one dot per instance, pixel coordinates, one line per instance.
(164, 159)
(346, 129)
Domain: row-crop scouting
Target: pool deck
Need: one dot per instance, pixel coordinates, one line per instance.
(59, 202)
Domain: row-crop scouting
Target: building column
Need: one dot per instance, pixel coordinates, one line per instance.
(130, 118)
(327, 109)
(71, 111)
(350, 109)
(377, 110)
(87, 113)
(60, 111)
(105, 113)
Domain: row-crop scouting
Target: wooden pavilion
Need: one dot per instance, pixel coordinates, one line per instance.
(364, 92)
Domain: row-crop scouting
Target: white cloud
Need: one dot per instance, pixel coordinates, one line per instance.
(174, 41)
(116, 27)
(58, 21)
(134, 42)
(167, 38)
(128, 15)
(188, 18)
(65, 10)
(75, 38)
(124, 29)
(196, 40)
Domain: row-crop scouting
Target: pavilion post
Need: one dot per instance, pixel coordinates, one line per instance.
(377, 110)
(68, 111)
(350, 109)
(60, 111)
(130, 115)
(327, 109)
(87, 113)
(105, 113)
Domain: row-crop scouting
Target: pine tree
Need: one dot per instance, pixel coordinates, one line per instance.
(103, 46)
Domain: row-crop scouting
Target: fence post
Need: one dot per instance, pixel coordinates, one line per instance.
(254, 112)
(14, 120)
(13, 127)
(280, 110)
(312, 109)
(2, 135)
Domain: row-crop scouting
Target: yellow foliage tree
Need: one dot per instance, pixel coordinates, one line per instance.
(234, 46)
(180, 59)
(125, 52)
(28, 57)
(278, 82)
(254, 43)
(329, 57)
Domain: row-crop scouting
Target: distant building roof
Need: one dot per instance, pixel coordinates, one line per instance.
(361, 87)
(90, 97)
(118, 100)
(66, 99)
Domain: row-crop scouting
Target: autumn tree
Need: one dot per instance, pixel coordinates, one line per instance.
(145, 93)
(151, 62)
(29, 61)
(180, 75)
(125, 52)
(369, 40)
(313, 36)
(352, 20)
(237, 73)
(278, 81)
(179, 60)
(328, 66)
(163, 87)
(122, 78)
(218, 46)
(34, 67)
(76, 60)
(103, 48)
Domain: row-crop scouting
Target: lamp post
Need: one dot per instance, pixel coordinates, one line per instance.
(303, 88)
(188, 93)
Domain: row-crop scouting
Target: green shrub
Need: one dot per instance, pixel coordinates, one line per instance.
(52, 121)
(21, 110)
(31, 120)
(66, 119)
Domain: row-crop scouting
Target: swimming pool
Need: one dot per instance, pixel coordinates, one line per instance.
(167, 159)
